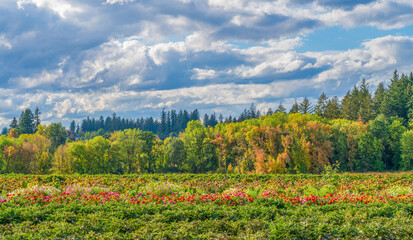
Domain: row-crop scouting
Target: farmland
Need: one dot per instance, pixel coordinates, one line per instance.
(177, 206)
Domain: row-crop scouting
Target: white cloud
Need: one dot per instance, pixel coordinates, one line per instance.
(384, 14)
(5, 43)
(382, 54)
(201, 74)
(112, 61)
(62, 108)
(147, 55)
(119, 1)
(45, 77)
(60, 7)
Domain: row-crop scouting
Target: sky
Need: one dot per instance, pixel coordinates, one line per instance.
(79, 58)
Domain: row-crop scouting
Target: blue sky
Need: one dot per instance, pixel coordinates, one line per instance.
(78, 58)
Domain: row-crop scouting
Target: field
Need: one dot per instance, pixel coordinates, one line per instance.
(329, 206)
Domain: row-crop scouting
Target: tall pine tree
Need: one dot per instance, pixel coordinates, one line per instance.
(333, 108)
(305, 107)
(365, 100)
(294, 108)
(26, 122)
(378, 99)
(321, 106)
(280, 109)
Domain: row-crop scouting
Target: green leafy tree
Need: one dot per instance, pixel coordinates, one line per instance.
(193, 139)
(78, 155)
(62, 162)
(176, 155)
(57, 135)
(369, 154)
(396, 130)
(407, 150)
(128, 146)
(98, 156)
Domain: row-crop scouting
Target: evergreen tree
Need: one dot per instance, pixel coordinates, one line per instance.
(73, 126)
(4, 131)
(321, 106)
(174, 121)
(213, 120)
(185, 119)
(206, 120)
(26, 122)
(294, 108)
(244, 115)
(378, 99)
(168, 123)
(78, 129)
(194, 115)
(346, 106)
(108, 124)
(280, 108)
(101, 123)
(13, 123)
(270, 112)
(163, 126)
(333, 108)
(350, 105)
(229, 120)
(398, 97)
(365, 110)
(252, 113)
(221, 118)
(36, 118)
(305, 107)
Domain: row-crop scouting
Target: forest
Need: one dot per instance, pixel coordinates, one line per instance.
(365, 131)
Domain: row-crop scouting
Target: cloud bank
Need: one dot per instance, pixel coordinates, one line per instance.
(85, 58)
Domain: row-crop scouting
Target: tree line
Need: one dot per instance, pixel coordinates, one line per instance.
(363, 132)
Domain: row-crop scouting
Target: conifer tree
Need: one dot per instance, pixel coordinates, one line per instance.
(26, 122)
(378, 99)
(333, 108)
(305, 107)
(321, 106)
(365, 110)
(350, 105)
(221, 118)
(213, 120)
(294, 108)
(73, 126)
(206, 120)
(36, 118)
(195, 115)
(13, 123)
(398, 96)
(280, 109)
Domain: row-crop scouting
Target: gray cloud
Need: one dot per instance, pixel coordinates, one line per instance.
(83, 57)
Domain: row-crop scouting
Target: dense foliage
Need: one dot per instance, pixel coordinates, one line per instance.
(277, 143)
(359, 134)
(330, 206)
